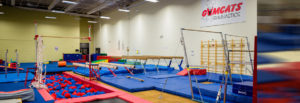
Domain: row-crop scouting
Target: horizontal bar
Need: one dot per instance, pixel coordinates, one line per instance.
(236, 35)
(199, 30)
(241, 50)
(63, 37)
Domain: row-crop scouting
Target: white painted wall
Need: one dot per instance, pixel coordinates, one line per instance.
(143, 27)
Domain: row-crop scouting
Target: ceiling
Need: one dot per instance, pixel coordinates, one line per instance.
(85, 8)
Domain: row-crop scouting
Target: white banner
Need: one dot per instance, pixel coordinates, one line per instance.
(218, 12)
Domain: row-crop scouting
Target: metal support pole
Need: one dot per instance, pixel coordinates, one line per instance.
(5, 64)
(17, 62)
(228, 56)
(157, 65)
(186, 61)
(227, 66)
(143, 66)
(90, 63)
(250, 56)
(170, 63)
(180, 65)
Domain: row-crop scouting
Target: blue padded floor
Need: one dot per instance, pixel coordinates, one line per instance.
(270, 42)
(104, 71)
(13, 77)
(267, 77)
(178, 85)
(263, 59)
(50, 67)
(163, 76)
(12, 86)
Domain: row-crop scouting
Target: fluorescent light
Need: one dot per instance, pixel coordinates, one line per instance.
(1, 13)
(104, 17)
(56, 11)
(94, 22)
(154, 1)
(50, 17)
(69, 2)
(124, 10)
(1, 4)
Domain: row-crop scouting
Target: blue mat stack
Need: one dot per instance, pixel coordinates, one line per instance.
(51, 68)
(288, 39)
(72, 57)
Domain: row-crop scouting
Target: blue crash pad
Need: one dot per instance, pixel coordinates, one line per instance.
(263, 59)
(13, 77)
(52, 67)
(266, 77)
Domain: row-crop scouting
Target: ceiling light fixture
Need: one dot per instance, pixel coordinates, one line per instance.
(124, 10)
(154, 1)
(56, 11)
(1, 13)
(93, 22)
(50, 17)
(69, 2)
(104, 17)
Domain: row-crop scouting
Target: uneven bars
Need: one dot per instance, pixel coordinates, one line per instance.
(200, 30)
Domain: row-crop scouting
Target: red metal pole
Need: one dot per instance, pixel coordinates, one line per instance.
(255, 73)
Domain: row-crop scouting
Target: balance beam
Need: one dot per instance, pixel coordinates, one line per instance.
(114, 64)
(100, 65)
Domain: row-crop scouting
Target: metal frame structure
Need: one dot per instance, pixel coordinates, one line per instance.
(248, 47)
(227, 67)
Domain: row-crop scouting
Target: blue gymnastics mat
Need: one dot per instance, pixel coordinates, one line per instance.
(178, 85)
(270, 42)
(53, 67)
(13, 77)
(267, 77)
(164, 76)
(12, 86)
(263, 59)
(121, 70)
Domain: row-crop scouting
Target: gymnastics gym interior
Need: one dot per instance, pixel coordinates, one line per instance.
(127, 51)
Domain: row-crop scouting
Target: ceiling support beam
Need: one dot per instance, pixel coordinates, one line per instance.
(52, 5)
(73, 14)
(70, 7)
(102, 6)
(13, 2)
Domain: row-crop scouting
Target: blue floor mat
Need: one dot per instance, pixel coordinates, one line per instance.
(53, 67)
(263, 59)
(163, 76)
(267, 77)
(12, 86)
(270, 42)
(13, 77)
(178, 85)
